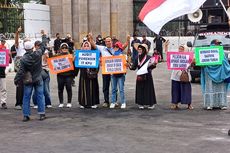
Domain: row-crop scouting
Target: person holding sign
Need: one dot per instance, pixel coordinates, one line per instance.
(88, 93)
(3, 95)
(215, 83)
(145, 92)
(118, 79)
(65, 79)
(181, 90)
(105, 52)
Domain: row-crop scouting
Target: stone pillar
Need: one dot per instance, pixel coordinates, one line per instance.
(55, 16)
(105, 17)
(114, 17)
(67, 16)
(125, 19)
(83, 18)
(75, 17)
(95, 16)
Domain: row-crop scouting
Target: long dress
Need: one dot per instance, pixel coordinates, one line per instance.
(88, 93)
(145, 92)
(181, 92)
(215, 94)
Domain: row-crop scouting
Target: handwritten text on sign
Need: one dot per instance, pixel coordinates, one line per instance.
(60, 64)
(87, 58)
(179, 60)
(113, 65)
(4, 58)
(209, 55)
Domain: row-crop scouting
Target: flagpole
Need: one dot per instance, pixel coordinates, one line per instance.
(224, 8)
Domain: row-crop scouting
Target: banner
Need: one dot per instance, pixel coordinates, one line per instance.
(179, 60)
(60, 64)
(113, 64)
(4, 58)
(87, 58)
(213, 55)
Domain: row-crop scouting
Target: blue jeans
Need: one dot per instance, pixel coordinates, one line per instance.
(38, 91)
(120, 81)
(46, 86)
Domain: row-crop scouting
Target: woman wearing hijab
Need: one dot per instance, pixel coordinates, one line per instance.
(65, 79)
(214, 84)
(88, 93)
(181, 92)
(145, 93)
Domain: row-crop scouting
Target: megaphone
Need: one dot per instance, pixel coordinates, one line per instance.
(196, 16)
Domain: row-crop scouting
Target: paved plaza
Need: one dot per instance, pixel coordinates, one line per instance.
(104, 130)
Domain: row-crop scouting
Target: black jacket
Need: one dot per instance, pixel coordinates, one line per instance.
(32, 62)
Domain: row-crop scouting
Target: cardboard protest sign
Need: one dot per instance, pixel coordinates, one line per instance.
(4, 57)
(60, 64)
(87, 58)
(113, 64)
(213, 55)
(179, 60)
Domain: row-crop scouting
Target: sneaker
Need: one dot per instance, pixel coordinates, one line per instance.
(151, 107)
(105, 104)
(26, 118)
(61, 105)
(112, 105)
(18, 107)
(35, 107)
(123, 106)
(48, 106)
(94, 106)
(141, 107)
(4, 106)
(42, 117)
(82, 107)
(224, 108)
(209, 108)
(69, 105)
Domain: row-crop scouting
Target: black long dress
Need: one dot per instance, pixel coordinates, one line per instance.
(88, 93)
(145, 93)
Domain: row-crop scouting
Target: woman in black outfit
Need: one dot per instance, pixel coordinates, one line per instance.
(145, 93)
(65, 79)
(88, 93)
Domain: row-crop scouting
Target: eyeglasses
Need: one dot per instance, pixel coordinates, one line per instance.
(64, 48)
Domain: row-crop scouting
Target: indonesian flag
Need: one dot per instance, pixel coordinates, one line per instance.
(156, 13)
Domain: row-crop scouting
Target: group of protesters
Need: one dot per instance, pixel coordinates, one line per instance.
(32, 75)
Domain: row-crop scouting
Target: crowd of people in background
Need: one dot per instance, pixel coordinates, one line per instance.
(30, 60)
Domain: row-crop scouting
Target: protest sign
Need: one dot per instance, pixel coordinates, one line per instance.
(113, 64)
(213, 55)
(4, 57)
(179, 60)
(60, 64)
(87, 58)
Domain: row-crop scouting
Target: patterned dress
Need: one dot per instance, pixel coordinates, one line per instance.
(215, 94)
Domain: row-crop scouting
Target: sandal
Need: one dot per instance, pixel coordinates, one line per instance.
(174, 106)
(190, 107)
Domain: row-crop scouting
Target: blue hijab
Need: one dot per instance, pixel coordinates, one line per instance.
(217, 73)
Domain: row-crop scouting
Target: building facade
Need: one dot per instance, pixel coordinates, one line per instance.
(120, 17)
(79, 17)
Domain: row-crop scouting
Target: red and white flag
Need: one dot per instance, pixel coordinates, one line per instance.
(156, 13)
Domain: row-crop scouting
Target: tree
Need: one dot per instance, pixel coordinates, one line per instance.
(19, 2)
